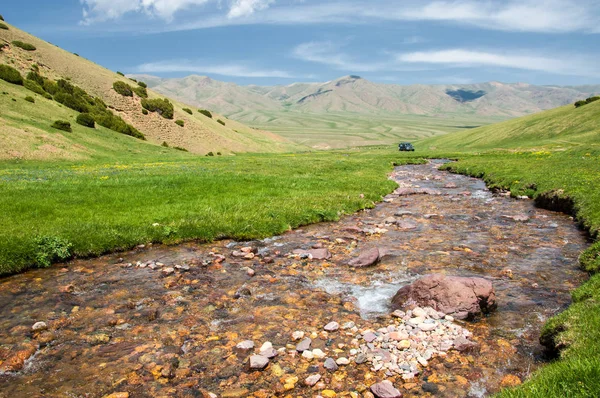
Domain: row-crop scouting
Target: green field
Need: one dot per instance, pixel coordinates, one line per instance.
(342, 130)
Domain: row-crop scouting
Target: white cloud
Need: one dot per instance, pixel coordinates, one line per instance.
(229, 69)
(563, 65)
(104, 10)
(327, 53)
(243, 8)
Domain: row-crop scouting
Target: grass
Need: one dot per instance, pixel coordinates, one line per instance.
(97, 207)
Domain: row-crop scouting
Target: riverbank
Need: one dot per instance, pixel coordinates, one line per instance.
(571, 177)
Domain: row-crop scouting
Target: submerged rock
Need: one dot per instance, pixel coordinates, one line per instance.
(460, 297)
(366, 258)
(258, 362)
(385, 389)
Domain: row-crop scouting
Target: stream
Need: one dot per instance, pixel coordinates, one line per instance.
(164, 321)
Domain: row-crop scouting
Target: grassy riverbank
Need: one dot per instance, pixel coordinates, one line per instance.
(576, 331)
(57, 210)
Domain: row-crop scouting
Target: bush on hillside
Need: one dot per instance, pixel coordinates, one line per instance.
(115, 123)
(592, 99)
(71, 101)
(85, 119)
(221, 122)
(23, 45)
(144, 111)
(51, 249)
(11, 75)
(120, 74)
(123, 88)
(36, 77)
(132, 79)
(205, 113)
(180, 123)
(62, 125)
(210, 154)
(142, 84)
(1, 17)
(141, 92)
(180, 149)
(188, 110)
(50, 87)
(165, 144)
(2, 45)
(33, 86)
(30, 99)
(580, 103)
(161, 106)
(3, 26)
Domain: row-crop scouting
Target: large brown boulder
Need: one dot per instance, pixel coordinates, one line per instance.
(460, 297)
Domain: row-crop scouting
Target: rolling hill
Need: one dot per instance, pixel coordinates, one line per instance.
(566, 126)
(26, 131)
(352, 111)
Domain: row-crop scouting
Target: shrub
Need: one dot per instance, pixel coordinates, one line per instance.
(107, 119)
(161, 106)
(3, 26)
(2, 45)
(580, 103)
(23, 45)
(10, 74)
(62, 125)
(145, 111)
(188, 110)
(1, 18)
(180, 123)
(221, 122)
(141, 92)
(592, 99)
(205, 113)
(165, 144)
(51, 249)
(180, 149)
(71, 101)
(218, 153)
(132, 79)
(120, 74)
(142, 84)
(33, 86)
(30, 99)
(210, 154)
(50, 87)
(123, 88)
(85, 119)
(36, 77)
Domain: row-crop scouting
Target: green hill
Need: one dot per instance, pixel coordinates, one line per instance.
(563, 127)
(25, 131)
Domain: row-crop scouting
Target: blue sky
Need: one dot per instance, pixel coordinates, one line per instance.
(283, 41)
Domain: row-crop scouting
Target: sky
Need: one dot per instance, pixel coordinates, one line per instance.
(268, 42)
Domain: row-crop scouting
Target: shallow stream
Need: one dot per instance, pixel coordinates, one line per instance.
(129, 323)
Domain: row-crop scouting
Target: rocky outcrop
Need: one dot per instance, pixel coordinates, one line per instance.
(366, 259)
(460, 297)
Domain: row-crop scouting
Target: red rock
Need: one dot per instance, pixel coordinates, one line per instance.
(461, 297)
(385, 389)
(365, 259)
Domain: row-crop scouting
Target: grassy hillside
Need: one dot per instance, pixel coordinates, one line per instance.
(198, 133)
(562, 127)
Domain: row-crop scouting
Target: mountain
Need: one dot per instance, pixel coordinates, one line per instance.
(352, 111)
(25, 126)
(556, 128)
(357, 95)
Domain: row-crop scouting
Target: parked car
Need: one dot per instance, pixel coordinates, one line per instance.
(406, 146)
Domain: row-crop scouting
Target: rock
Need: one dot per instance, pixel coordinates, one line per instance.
(297, 335)
(245, 345)
(235, 393)
(366, 258)
(518, 217)
(462, 344)
(348, 325)
(167, 271)
(390, 220)
(308, 355)
(320, 254)
(258, 362)
(419, 312)
(450, 185)
(330, 365)
(250, 272)
(312, 380)
(385, 389)
(304, 345)
(403, 213)
(431, 388)
(406, 225)
(242, 292)
(98, 338)
(510, 381)
(342, 361)
(427, 327)
(369, 337)
(403, 344)
(360, 358)
(460, 297)
(269, 352)
(332, 326)
(329, 393)
(318, 353)
(266, 345)
(39, 327)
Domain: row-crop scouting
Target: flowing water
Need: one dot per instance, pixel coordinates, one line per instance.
(127, 323)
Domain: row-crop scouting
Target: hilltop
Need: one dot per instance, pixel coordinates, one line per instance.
(563, 127)
(26, 131)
